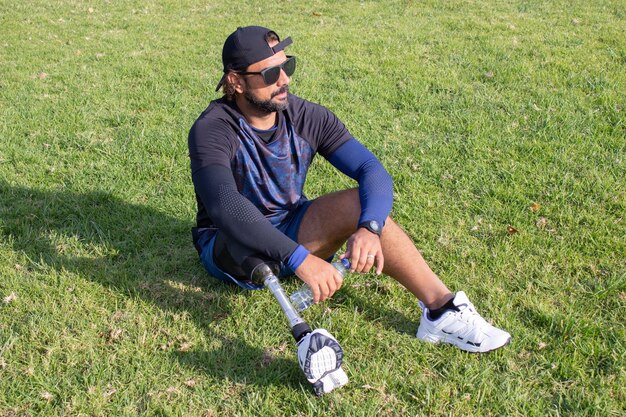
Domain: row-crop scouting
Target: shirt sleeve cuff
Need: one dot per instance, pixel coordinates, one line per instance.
(297, 257)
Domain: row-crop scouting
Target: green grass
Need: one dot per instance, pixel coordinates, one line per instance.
(478, 110)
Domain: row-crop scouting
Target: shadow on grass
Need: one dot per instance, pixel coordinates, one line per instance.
(375, 310)
(139, 252)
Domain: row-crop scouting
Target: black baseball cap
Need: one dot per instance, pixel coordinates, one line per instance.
(248, 45)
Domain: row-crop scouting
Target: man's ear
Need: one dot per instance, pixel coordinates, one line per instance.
(236, 81)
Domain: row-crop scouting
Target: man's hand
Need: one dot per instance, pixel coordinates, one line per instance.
(321, 276)
(363, 250)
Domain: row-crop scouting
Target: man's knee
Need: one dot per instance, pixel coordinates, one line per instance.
(329, 221)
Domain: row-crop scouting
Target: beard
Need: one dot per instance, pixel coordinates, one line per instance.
(267, 106)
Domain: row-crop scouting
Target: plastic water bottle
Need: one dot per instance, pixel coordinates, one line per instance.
(303, 298)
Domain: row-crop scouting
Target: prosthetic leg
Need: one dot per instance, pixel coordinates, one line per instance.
(319, 353)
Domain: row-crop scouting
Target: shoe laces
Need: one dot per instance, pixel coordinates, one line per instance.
(469, 314)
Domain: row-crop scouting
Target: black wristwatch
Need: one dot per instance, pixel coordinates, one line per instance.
(372, 226)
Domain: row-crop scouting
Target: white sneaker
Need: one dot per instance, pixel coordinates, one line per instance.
(320, 357)
(465, 328)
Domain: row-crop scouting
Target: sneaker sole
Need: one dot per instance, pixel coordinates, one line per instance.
(431, 338)
(325, 360)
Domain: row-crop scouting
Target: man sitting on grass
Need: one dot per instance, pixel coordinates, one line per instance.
(250, 152)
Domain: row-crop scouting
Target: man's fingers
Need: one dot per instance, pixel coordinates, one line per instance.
(332, 286)
(354, 260)
(366, 260)
(380, 263)
(370, 258)
(316, 293)
(325, 291)
(338, 280)
(362, 261)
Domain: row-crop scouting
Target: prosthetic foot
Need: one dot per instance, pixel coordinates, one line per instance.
(320, 357)
(319, 353)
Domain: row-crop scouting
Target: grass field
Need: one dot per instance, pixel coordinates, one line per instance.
(502, 123)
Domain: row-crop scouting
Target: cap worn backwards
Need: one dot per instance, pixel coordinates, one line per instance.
(248, 45)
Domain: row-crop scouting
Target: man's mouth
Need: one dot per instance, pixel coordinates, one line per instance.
(282, 90)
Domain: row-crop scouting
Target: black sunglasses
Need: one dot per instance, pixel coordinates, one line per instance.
(272, 74)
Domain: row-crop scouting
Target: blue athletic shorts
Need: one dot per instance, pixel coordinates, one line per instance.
(206, 243)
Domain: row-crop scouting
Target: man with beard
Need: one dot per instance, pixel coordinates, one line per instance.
(250, 152)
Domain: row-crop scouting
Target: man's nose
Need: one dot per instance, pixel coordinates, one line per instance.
(283, 78)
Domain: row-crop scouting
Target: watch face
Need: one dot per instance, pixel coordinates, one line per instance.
(372, 226)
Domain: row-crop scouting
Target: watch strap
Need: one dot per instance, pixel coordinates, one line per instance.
(372, 226)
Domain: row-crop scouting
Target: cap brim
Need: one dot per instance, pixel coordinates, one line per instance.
(282, 45)
(221, 82)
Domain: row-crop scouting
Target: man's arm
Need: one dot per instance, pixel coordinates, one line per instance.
(375, 184)
(240, 220)
(375, 196)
